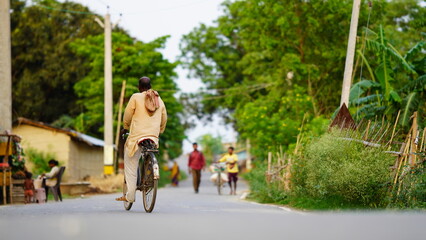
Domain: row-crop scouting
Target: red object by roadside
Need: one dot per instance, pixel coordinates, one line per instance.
(4, 165)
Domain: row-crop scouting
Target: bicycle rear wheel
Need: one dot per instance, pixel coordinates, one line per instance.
(127, 205)
(149, 189)
(219, 183)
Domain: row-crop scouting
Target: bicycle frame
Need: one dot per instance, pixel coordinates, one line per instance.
(146, 150)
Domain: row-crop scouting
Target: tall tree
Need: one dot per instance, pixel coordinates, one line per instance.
(268, 62)
(132, 59)
(44, 69)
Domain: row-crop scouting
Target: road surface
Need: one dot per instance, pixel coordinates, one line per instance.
(181, 214)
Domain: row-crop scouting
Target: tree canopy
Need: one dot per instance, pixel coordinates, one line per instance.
(131, 59)
(57, 67)
(271, 64)
(44, 68)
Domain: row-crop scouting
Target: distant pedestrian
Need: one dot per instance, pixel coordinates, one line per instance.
(196, 163)
(28, 187)
(231, 160)
(175, 174)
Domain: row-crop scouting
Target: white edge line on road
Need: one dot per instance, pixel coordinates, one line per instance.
(279, 207)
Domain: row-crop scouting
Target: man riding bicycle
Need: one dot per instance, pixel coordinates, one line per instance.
(146, 117)
(231, 160)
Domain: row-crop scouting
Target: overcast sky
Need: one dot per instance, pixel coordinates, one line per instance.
(147, 20)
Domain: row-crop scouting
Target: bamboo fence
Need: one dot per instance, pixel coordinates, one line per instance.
(407, 151)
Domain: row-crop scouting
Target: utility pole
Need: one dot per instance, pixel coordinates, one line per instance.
(248, 160)
(108, 129)
(350, 54)
(5, 68)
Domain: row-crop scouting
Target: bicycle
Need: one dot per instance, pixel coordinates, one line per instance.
(219, 168)
(147, 181)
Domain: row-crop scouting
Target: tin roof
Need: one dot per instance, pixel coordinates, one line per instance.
(77, 136)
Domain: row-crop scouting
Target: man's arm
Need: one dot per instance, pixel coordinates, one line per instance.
(53, 172)
(128, 113)
(163, 119)
(189, 163)
(223, 159)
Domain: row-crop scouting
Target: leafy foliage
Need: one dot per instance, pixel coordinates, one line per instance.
(131, 60)
(412, 192)
(346, 170)
(39, 160)
(259, 53)
(397, 82)
(44, 67)
(211, 145)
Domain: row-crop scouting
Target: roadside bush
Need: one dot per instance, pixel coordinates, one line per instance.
(38, 160)
(412, 191)
(337, 169)
(262, 191)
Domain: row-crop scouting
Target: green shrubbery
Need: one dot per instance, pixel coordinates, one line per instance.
(271, 194)
(331, 172)
(412, 191)
(339, 169)
(39, 160)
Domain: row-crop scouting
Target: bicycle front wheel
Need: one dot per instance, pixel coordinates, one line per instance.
(149, 191)
(127, 205)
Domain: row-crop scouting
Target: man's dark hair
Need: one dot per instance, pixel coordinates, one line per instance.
(54, 162)
(28, 175)
(144, 83)
(194, 143)
(232, 148)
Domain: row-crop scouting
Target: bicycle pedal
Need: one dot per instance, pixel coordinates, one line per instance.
(156, 172)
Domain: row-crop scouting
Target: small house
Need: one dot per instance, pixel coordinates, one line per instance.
(81, 154)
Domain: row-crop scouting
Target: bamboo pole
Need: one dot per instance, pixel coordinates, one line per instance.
(423, 140)
(413, 144)
(269, 162)
(394, 127)
(268, 175)
(402, 159)
(120, 109)
(384, 133)
(367, 130)
(287, 176)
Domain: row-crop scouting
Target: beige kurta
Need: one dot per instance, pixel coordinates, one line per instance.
(141, 124)
(51, 177)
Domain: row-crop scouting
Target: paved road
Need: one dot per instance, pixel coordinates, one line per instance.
(181, 214)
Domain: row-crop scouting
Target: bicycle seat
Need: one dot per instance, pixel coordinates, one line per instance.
(147, 143)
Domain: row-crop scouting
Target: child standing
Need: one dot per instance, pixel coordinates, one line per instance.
(28, 187)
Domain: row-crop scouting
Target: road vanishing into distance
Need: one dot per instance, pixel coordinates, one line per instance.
(182, 214)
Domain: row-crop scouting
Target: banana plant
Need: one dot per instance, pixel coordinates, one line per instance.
(376, 94)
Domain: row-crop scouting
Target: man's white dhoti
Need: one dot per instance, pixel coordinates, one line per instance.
(131, 173)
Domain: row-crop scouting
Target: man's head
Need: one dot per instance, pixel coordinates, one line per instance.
(231, 150)
(28, 175)
(144, 84)
(53, 163)
(195, 146)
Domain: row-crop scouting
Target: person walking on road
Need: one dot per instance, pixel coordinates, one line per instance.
(175, 174)
(231, 160)
(196, 163)
(146, 117)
